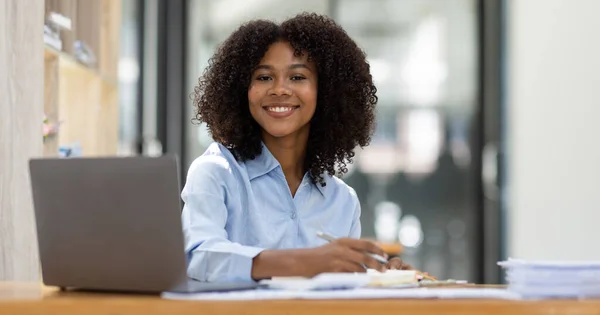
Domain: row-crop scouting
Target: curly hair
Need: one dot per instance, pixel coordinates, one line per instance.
(346, 96)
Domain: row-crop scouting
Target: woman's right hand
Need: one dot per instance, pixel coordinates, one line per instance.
(342, 255)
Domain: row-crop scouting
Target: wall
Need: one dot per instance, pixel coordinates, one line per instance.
(553, 115)
(21, 116)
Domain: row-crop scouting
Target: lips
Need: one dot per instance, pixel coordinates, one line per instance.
(280, 110)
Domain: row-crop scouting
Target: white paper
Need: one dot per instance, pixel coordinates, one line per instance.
(360, 293)
(337, 281)
(533, 279)
(325, 281)
(513, 262)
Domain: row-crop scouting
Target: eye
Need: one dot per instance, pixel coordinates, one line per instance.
(263, 78)
(298, 78)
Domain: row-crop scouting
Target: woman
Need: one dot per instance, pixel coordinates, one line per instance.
(286, 103)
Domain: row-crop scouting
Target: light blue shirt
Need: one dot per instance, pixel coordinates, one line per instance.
(234, 210)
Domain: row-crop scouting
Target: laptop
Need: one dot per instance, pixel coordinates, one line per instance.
(113, 224)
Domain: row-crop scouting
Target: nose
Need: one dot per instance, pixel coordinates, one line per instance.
(280, 88)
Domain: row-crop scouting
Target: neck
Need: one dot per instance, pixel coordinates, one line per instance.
(290, 152)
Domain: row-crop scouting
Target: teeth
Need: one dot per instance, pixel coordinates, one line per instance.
(280, 109)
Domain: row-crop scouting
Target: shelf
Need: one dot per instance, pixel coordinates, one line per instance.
(50, 53)
(95, 22)
(84, 99)
(84, 102)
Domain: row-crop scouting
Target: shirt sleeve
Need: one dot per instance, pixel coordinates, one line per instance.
(211, 256)
(355, 230)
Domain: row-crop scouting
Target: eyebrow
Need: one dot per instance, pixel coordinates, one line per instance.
(292, 66)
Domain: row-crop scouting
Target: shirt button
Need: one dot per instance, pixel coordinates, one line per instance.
(293, 215)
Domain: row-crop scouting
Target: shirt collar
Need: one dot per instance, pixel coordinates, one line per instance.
(265, 162)
(320, 188)
(262, 164)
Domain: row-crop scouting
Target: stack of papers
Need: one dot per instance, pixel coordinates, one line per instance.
(552, 279)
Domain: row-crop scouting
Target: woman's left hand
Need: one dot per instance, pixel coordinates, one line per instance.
(397, 264)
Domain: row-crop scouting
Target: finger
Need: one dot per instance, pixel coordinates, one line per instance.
(400, 264)
(353, 257)
(406, 267)
(364, 259)
(363, 245)
(395, 264)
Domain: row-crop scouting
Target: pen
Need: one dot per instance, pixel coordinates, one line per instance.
(330, 238)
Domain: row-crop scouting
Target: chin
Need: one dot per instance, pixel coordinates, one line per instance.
(278, 133)
(282, 130)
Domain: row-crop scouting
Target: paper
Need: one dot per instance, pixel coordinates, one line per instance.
(553, 279)
(324, 281)
(512, 262)
(336, 281)
(392, 277)
(360, 293)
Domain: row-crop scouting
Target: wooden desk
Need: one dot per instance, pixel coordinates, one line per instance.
(17, 298)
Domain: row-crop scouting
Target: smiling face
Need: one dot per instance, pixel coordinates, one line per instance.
(283, 92)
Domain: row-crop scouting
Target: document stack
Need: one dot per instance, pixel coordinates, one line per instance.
(552, 279)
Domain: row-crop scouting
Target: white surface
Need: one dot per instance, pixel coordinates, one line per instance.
(421, 293)
(553, 149)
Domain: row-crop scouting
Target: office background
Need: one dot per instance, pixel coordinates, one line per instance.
(485, 144)
(418, 181)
